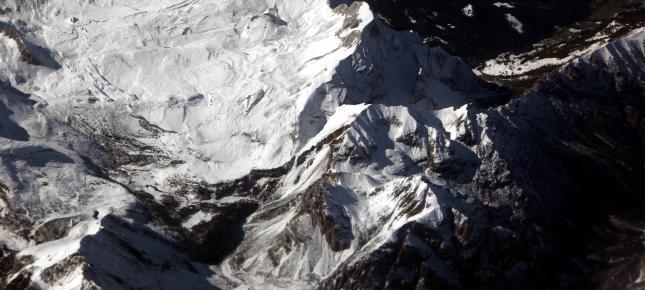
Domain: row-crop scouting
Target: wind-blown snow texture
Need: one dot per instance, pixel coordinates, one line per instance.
(280, 145)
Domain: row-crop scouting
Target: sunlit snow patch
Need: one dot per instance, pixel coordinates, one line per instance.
(515, 23)
(468, 10)
(503, 5)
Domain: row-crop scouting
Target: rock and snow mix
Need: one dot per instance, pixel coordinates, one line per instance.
(280, 141)
(159, 91)
(548, 54)
(468, 10)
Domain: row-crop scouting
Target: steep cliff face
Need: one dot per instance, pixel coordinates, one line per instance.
(305, 145)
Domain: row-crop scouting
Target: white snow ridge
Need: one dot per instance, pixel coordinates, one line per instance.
(234, 144)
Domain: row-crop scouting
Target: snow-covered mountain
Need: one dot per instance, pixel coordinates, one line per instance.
(281, 144)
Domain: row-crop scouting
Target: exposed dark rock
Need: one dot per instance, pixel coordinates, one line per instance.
(329, 218)
(62, 269)
(30, 53)
(4, 196)
(11, 264)
(55, 229)
(257, 184)
(127, 255)
(611, 19)
(155, 130)
(487, 33)
(25, 54)
(212, 240)
(581, 163)
(21, 282)
(7, 264)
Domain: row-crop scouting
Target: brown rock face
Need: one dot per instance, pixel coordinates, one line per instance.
(62, 269)
(25, 54)
(9, 265)
(55, 229)
(327, 217)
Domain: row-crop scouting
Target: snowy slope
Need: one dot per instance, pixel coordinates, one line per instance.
(263, 145)
(214, 73)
